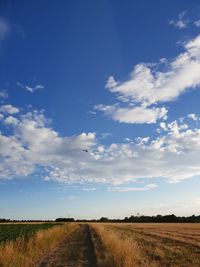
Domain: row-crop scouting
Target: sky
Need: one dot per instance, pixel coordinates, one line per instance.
(99, 108)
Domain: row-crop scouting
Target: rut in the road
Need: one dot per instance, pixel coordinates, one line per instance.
(75, 251)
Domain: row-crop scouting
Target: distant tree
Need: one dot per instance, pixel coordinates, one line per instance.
(64, 220)
(2, 220)
(104, 219)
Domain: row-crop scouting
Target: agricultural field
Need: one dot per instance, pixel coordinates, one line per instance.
(152, 244)
(107, 245)
(11, 231)
(28, 251)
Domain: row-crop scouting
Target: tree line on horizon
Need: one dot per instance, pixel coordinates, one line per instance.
(132, 219)
(153, 219)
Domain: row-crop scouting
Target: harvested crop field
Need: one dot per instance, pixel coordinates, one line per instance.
(152, 244)
(114, 245)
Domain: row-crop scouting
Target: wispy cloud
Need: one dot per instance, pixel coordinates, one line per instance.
(105, 135)
(35, 88)
(197, 23)
(150, 85)
(5, 28)
(193, 116)
(131, 189)
(3, 94)
(71, 198)
(31, 89)
(89, 189)
(181, 22)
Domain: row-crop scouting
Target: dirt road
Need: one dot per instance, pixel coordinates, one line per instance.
(78, 250)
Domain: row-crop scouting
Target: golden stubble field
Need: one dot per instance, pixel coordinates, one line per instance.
(146, 244)
(106, 245)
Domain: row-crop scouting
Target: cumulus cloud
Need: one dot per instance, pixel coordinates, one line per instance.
(173, 127)
(33, 147)
(4, 28)
(133, 114)
(9, 109)
(181, 22)
(150, 85)
(11, 120)
(31, 89)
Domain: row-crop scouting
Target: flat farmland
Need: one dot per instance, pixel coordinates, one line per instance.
(106, 245)
(146, 244)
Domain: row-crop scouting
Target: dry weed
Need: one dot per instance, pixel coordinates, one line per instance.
(27, 253)
(124, 250)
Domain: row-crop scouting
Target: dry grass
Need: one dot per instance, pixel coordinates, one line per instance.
(124, 251)
(152, 244)
(27, 253)
(158, 244)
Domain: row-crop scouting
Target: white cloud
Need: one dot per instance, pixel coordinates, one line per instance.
(3, 94)
(152, 84)
(92, 112)
(31, 89)
(8, 109)
(181, 22)
(142, 140)
(163, 126)
(35, 88)
(173, 127)
(130, 189)
(127, 139)
(11, 120)
(89, 189)
(111, 82)
(193, 116)
(148, 86)
(4, 28)
(33, 147)
(133, 114)
(105, 135)
(197, 23)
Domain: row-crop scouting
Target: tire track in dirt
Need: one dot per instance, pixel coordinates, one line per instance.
(77, 250)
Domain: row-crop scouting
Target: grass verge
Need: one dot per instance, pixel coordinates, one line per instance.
(28, 252)
(124, 250)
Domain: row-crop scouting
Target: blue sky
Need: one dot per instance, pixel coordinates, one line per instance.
(99, 108)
